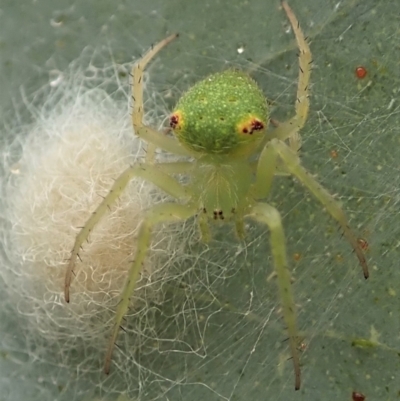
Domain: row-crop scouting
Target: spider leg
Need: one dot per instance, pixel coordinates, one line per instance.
(293, 165)
(240, 230)
(152, 137)
(154, 174)
(175, 167)
(266, 169)
(163, 213)
(204, 228)
(291, 128)
(267, 214)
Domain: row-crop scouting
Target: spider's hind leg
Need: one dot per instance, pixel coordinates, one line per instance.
(204, 227)
(240, 230)
(163, 213)
(267, 214)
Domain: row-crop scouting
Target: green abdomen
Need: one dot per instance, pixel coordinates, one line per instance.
(221, 113)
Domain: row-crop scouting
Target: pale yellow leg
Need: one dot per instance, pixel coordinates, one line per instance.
(270, 216)
(290, 129)
(293, 165)
(154, 174)
(240, 230)
(153, 138)
(266, 170)
(164, 213)
(204, 227)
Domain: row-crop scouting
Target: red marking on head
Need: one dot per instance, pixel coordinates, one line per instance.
(361, 72)
(253, 125)
(257, 125)
(173, 121)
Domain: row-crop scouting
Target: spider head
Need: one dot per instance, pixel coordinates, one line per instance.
(226, 113)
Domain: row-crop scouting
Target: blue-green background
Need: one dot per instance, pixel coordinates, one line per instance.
(357, 118)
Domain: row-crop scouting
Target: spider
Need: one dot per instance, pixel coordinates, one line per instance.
(221, 124)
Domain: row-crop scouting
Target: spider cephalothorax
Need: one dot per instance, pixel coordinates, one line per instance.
(221, 124)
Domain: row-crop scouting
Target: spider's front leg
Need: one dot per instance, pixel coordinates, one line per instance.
(290, 129)
(154, 138)
(164, 213)
(270, 216)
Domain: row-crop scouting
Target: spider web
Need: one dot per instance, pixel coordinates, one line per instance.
(211, 327)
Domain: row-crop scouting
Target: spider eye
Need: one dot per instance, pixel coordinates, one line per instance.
(218, 214)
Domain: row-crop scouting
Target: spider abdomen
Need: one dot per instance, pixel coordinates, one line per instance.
(222, 114)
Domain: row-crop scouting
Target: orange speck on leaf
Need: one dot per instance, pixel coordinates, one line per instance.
(363, 244)
(361, 72)
(357, 396)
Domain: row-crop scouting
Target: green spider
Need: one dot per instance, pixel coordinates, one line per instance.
(221, 123)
